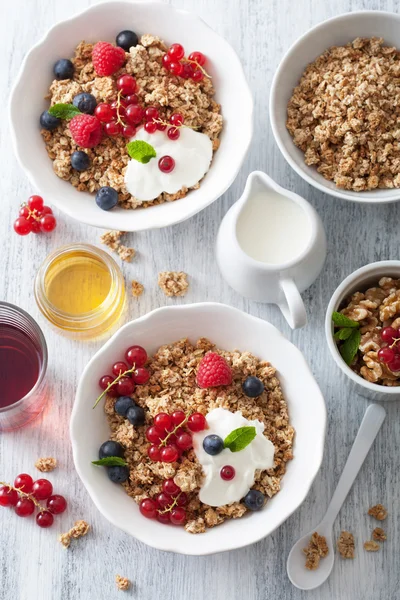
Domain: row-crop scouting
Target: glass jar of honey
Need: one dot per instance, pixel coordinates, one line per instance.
(80, 289)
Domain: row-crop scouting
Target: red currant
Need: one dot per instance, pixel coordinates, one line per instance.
(182, 499)
(44, 518)
(163, 500)
(166, 61)
(197, 75)
(104, 112)
(56, 504)
(134, 114)
(24, 483)
(125, 386)
(148, 508)
(197, 57)
(163, 421)
(176, 68)
(8, 497)
(176, 119)
(184, 441)
(141, 376)
(36, 226)
(163, 517)
(161, 127)
(104, 382)
(131, 99)
(227, 473)
(42, 489)
(389, 334)
(48, 223)
(154, 435)
(119, 367)
(187, 71)
(178, 516)
(170, 488)
(113, 128)
(150, 127)
(166, 164)
(127, 84)
(153, 453)
(24, 211)
(173, 133)
(176, 52)
(129, 131)
(22, 226)
(386, 355)
(151, 113)
(169, 454)
(119, 107)
(197, 422)
(46, 210)
(394, 365)
(35, 203)
(178, 417)
(136, 355)
(24, 507)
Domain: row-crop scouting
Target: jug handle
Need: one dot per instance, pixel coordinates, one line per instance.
(293, 309)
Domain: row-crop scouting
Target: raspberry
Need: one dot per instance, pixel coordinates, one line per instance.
(85, 130)
(213, 371)
(107, 59)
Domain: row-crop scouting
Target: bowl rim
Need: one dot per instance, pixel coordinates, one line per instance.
(171, 545)
(336, 298)
(366, 197)
(220, 185)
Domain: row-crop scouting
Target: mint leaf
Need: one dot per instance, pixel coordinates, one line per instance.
(64, 111)
(349, 349)
(239, 438)
(110, 461)
(343, 334)
(343, 321)
(141, 151)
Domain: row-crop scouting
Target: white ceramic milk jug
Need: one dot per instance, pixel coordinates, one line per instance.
(271, 246)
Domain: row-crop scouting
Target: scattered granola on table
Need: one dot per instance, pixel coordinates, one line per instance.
(379, 534)
(173, 283)
(343, 115)
(345, 544)
(79, 529)
(112, 239)
(367, 332)
(371, 546)
(45, 465)
(378, 511)
(317, 548)
(136, 289)
(197, 405)
(123, 583)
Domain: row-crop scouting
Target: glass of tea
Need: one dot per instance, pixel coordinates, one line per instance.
(23, 364)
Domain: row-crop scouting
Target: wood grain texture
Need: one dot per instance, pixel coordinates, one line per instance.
(33, 566)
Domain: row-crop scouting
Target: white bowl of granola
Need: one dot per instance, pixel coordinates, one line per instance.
(336, 137)
(291, 401)
(370, 298)
(44, 159)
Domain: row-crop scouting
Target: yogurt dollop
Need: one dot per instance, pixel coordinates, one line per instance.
(259, 454)
(192, 153)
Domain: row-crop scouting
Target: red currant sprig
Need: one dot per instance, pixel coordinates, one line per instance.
(168, 437)
(34, 217)
(167, 506)
(390, 354)
(188, 68)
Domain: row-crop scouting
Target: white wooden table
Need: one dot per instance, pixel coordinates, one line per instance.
(33, 565)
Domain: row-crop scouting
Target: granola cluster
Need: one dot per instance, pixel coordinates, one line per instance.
(172, 386)
(344, 115)
(173, 283)
(77, 531)
(45, 465)
(317, 548)
(345, 544)
(156, 87)
(123, 583)
(374, 309)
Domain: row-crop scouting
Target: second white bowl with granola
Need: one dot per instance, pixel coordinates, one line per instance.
(139, 99)
(198, 411)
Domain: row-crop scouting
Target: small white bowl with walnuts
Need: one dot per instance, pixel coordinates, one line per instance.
(362, 329)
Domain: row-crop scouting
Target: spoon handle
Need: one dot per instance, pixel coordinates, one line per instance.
(370, 425)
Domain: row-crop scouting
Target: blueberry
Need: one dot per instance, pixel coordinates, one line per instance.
(135, 415)
(110, 448)
(64, 69)
(118, 474)
(80, 160)
(126, 39)
(213, 444)
(86, 103)
(47, 121)
(253, 387)
(123, 404)
(254, 500)
(106, 197)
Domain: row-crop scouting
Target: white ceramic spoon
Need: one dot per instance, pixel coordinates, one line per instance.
(298, 574)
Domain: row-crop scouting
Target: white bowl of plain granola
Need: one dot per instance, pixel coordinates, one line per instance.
(333, 106)
(216, 106)
(291, 408)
